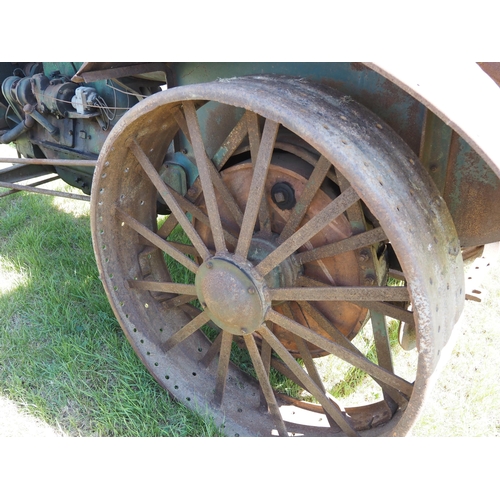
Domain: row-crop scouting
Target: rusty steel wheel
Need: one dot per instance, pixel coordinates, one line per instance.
(306, 209)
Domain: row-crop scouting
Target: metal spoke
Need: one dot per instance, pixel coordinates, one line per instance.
(157, 241)
(341, 352)
(223, 366)
(254, 138)
(176, 301)
(187, 249)
(330, 407)
(257, 187)
(385, 308)
(204, 168)
(349, 244)
(342, 293)
(266, 355)
(333, 210)
(265, 384)
(170, 200)
(186, 331)
(382, 342)
(340, 339)
(168, 287)
(213, 350)
(231, 144)
(390, 310)
(198, 214)
(311, 188)
(225, 194)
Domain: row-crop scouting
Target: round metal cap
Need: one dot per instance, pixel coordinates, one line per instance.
(230, 296)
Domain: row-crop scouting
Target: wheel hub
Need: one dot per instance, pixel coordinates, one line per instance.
(283, 275)
(232, 293)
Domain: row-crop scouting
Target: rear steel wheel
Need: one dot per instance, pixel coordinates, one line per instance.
(259, 316)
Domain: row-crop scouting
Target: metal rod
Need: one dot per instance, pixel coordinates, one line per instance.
(49, 192)
(34, 184)
(48, 161)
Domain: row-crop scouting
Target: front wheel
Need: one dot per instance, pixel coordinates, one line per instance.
(268, 297)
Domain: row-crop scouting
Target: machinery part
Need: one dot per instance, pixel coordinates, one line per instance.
(279, 382)
(22, 127)
(84, 99)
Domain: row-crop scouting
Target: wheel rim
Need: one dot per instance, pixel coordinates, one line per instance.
(276, 316)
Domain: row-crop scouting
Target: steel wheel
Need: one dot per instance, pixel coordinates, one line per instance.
(302, 198)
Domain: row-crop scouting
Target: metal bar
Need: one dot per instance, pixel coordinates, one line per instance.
(157, 286)
(168, 226)
(34, 184)
(311, 188)
(329, 406)
(187, 206)
(384, 308)
(349, 244)
(338, 338)
(223, 366)
(266, 355)
(257, 187)
(354, 359)
(308, 230)
(119, 72)
(177, 301)
(187, 249)
(265, 384)
(185, 331)
(48, 161)
(170, 200)
(390, 310)
(254, 138)
(343, 293)
(157, 241)
(382, 344)
(212, 351)
(231, 144)
(49, 192)
(204, 167)
(224, 192)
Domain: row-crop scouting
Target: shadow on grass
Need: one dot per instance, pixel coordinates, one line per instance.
(63, 355)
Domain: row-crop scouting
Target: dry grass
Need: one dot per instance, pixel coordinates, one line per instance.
(466, 398)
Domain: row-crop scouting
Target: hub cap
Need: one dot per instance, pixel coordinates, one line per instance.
(233, 294)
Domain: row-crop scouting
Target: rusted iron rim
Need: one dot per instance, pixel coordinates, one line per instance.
(372, 159)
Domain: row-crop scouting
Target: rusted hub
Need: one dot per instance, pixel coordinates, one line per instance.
(283, 275)
(232, 293)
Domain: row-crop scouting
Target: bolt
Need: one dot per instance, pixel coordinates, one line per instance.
(370, 280)
(210, 265)
(243, 331)
(204, 305)
(279, 197)
(251, 290)
(363, 256)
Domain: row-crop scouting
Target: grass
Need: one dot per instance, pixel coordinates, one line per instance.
(64, 359)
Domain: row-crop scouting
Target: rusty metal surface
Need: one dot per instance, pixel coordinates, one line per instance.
(461, 94)
(372, 159)
(50, 192)
(93, 72)
(47, 161)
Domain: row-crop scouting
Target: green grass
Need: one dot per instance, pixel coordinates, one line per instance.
(63, 356)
